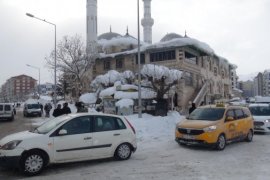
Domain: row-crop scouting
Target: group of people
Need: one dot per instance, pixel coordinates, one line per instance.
(58, 111)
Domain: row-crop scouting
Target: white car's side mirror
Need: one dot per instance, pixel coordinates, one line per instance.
(62, 132)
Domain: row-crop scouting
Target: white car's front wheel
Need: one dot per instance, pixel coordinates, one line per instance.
(123, 152)
(33, 163)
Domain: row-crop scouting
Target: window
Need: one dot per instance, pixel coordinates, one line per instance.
(162, 56)
(142, 59)
(190, 58)
(239, 114)
(80, 125)
(215, 71)
(107, 65)
(230, 113)
(107, 123)
(188, 79)
(119, 63)
(7, 107)
(222, 74)
(1, 107)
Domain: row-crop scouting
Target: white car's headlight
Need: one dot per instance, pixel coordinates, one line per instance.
(210, 128)
(11, 145)
(267, 120)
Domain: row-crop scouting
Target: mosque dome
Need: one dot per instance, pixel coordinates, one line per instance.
(108, 36)
(170, 36)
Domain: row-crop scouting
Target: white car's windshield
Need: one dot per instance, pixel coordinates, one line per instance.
(51, 124)
(260, 110)
(208, 114)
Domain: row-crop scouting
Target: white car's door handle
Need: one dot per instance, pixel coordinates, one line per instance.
(116, 134)
(87, 138)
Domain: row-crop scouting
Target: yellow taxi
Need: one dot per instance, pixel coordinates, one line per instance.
(215, 125)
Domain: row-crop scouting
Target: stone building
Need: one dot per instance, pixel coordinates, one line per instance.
(207, 76)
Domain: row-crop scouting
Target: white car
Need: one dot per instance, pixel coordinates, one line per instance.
(261, 115)
(69, 138)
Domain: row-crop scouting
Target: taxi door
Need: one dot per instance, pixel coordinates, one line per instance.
(242, 119)
(230, 125)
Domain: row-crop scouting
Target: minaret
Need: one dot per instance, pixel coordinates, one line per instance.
(147, 22)
(91, 21)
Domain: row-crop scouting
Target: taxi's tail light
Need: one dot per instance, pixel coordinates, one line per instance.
(131, 126)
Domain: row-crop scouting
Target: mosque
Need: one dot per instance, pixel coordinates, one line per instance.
(207, 76)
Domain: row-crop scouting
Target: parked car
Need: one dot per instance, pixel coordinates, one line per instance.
(7, 111)
(69, 138)
(215, 126)
(32, 110)
(261, 115)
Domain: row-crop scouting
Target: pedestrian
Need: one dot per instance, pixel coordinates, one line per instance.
(47, 109)
(192, 108)
(41, 108)
(80, 107)
(57, 111)
(66, 109)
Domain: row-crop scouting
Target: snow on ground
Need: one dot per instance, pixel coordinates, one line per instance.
(159, 157)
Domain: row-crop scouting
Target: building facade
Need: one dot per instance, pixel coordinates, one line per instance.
(17, 87)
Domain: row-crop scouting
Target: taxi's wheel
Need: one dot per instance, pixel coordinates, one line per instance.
(123, 152)
(249, 136)
(221, 142)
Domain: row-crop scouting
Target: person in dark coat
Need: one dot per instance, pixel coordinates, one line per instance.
(192, 108)
(58, 111)
(66, 109)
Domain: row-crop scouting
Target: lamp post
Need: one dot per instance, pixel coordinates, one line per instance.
(32, 16)
(38, 76)
(139, 64)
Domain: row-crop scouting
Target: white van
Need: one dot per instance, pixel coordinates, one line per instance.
(33, 109)
(7, 111)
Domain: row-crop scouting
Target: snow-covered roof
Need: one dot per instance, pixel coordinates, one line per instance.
(31, 101)
(178, 42)
(170, 36)
(108, 36)
(88, 98)
(124, 103)
(128, 87)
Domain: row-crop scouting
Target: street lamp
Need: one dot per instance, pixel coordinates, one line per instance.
(139, 64)
(54, 94)
(38, 76)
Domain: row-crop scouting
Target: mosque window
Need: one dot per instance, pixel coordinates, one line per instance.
(191, 58)
(119, 63)
(162, 56)
(188, 79)
(215, 71)
(142, 59)
(107, 65)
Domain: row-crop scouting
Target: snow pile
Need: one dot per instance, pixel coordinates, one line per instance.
(128, 87)
(145, 94)
(107, 92)
(151, 128)
(124, 103)
(159, 72)
(88, 98)
(109, 78)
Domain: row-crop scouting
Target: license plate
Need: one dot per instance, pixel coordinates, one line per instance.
(257, 127)
(187, 136)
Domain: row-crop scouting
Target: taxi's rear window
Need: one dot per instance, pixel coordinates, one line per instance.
(207, 114)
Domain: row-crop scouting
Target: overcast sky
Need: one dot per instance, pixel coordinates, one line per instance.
(236, 29)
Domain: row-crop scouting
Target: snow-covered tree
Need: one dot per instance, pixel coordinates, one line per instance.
(161, 78)
(72, 61)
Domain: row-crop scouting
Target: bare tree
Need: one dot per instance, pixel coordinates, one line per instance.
(73, 62)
